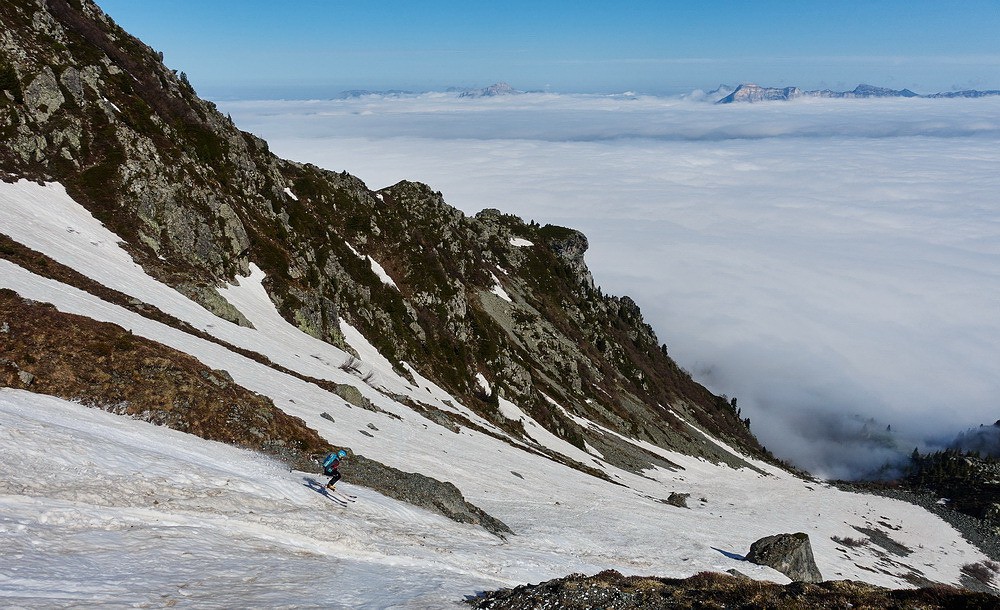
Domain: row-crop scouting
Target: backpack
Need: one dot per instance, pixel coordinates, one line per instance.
(331, 461)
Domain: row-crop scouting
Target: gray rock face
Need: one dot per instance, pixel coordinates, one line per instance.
(790, 554)
(420, 490)
(678, 499)
(353, 395)
(570, 247)
(43, 96)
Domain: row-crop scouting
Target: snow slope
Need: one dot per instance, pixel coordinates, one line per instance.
(97, 509)
(101, 509)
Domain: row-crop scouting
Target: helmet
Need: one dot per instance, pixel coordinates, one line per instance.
(341, 454)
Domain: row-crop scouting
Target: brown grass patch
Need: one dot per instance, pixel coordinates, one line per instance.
(105, 366)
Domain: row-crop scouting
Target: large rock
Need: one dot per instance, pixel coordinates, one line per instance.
(790, 554)
(420, 490)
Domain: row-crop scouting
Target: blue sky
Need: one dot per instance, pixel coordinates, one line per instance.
(258, 48)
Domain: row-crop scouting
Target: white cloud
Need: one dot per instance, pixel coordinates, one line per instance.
(817, 258)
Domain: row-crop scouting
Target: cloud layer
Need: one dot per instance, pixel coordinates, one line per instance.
(825, 261)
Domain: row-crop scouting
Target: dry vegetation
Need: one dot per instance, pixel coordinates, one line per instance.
(850, 542)
(103, 365)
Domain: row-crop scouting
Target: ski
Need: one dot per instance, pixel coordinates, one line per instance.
(331, 496)
(319, 488)
(342, 496)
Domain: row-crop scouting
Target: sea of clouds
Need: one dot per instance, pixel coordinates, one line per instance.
(834, 264)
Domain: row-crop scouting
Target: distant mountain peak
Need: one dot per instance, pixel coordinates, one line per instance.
(751, 92)
(494, 90)
(864, 90)
(351, 94)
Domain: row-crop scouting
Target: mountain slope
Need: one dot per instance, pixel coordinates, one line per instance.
(197, 202)
(104, 510)
(477, 351)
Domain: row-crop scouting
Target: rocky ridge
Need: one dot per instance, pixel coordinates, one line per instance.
(494, 90)
(750, 92)
(197, 201)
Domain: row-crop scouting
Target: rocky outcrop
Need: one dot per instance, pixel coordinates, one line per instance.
(790, 554)
(750, 92)
(969, 479)
(420, 490)
(610, 589)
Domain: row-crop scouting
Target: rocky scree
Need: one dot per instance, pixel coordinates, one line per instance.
(612, 591)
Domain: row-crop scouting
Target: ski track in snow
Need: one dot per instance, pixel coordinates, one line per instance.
(97, 509)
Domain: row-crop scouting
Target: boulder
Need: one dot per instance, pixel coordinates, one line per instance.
(790, 554)
(678, 499)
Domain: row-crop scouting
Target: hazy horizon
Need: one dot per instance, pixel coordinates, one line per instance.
(307, 93)
(240, 48)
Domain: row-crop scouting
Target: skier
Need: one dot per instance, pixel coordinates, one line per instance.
(330, 465)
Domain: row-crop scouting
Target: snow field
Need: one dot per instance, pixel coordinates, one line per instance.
(101, 509)
(195, 508)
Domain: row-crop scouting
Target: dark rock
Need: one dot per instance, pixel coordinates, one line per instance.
(353, 396)
(420, 490)
(327, 416)
(790, 554)
(678, 499)
(610, 589)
